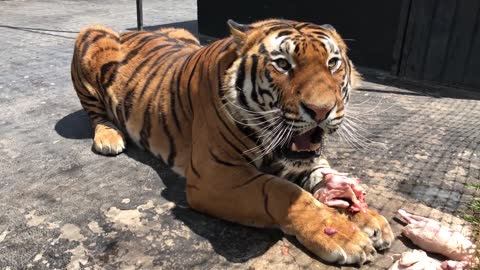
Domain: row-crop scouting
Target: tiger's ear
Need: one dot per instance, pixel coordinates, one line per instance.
(329, 27)
(238, 31)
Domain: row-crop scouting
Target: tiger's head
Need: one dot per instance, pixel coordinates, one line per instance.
(289, 86)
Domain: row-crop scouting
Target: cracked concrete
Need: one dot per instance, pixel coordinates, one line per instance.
(64, 207)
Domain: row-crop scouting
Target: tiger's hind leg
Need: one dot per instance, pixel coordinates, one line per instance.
(96, 48)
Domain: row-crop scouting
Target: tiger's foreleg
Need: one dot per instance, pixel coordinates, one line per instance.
(95, 48)
(256, 199)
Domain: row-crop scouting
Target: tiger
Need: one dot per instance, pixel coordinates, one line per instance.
(243, 120)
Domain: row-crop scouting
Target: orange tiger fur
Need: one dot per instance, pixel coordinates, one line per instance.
(170, 95)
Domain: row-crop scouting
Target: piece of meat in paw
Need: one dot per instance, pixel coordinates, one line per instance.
(340, 191)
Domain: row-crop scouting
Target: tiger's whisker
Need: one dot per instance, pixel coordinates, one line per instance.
(267, 137)
(355, 138)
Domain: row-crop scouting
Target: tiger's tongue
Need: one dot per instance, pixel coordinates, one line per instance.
(303, 142)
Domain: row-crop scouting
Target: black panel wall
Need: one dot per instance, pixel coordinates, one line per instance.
(442, 42)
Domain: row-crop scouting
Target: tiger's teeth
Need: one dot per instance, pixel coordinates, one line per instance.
(314, 147)
(294, 147)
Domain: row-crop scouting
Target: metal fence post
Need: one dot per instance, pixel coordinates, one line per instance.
(139, 15)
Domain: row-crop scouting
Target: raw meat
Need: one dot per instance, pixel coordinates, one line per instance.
(415, 260)
(454, 265)
(431, 236)
(341, 191)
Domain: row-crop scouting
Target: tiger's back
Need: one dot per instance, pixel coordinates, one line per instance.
(134, 84)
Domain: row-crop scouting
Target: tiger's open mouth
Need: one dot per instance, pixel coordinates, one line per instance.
(305, 146)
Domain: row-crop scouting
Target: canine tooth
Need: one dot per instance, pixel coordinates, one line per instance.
(294, 147)
(314, 147)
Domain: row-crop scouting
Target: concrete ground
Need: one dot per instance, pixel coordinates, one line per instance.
(62, 206)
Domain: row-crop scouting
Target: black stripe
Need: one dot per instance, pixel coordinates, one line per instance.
(226, 126)
(249, 180)
(121, 120)
(297, 48)
(189, 41)
(158, 87)
(319, 33)
(219, 70)
(144, 62)
(253, 78)
(268, 76)
(275, 53)
(275, 28)
(284, 33)
(104, 70)
(171, 142)
(145, 132)
(240, 152)
(262, 49)
(300, 26)
(218, 160)
(337, 118)
(94, 103)
(313, 27)
(172, 98)
(299, 179)
(85, 45)
(178, 84)
(87, 96)
(100, 50)
(131, 35)
(263, 92)
(155, 67)
(241, 74)
(137, 49)
(240, 81)
(265, 200)
(127, 103)
(193, 167)
(190, 77)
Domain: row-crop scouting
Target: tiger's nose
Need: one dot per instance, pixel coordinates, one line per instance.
(318, 112)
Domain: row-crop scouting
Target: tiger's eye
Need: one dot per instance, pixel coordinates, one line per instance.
(333, 62)
(283, 64)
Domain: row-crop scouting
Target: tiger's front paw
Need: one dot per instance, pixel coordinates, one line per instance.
(108, 140)
(334, 238)
(375, 226)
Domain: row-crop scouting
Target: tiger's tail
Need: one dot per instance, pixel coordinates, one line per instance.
(96, 57)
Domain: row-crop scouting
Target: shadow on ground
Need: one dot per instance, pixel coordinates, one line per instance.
(234, 242)
(42, 31)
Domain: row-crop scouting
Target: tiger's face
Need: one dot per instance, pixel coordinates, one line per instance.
(290, 85)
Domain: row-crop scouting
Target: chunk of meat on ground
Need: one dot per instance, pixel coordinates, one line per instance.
(432, 236)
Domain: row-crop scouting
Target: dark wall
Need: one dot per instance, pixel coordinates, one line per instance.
(442, 42)
(369, 27)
